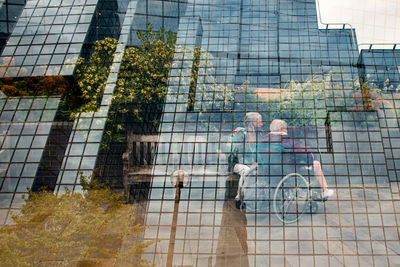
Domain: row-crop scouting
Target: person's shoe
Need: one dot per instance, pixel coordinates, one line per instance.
(324, 195)
(328, 192)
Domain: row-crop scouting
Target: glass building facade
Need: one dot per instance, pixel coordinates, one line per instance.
(267, 57)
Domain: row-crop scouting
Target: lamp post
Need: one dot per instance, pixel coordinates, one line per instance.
(179, 181)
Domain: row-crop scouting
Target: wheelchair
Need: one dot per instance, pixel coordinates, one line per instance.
(292, 195)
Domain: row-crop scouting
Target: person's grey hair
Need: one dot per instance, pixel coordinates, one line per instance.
(278, 126)
(251, 117)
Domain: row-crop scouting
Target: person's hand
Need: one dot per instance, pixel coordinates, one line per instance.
(254, 166)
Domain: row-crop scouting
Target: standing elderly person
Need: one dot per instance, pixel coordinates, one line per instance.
(243, 144)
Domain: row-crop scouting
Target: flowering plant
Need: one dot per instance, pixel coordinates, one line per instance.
(91, 75)
(141, 85)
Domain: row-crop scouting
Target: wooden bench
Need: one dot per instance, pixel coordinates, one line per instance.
(137, 165)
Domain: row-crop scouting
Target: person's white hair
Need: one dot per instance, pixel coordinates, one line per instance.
(278, 127)
(251, 117)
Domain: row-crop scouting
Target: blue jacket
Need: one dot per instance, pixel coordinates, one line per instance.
(247, 152)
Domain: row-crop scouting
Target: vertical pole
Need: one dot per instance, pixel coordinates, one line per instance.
(172, 236)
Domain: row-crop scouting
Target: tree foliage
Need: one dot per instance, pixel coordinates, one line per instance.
(81, 93)
(95, 225)
(300, 104)
(144, 70)
(92, 75)
(304, 103)
(142, 82)
(32, 86)
(194, 77)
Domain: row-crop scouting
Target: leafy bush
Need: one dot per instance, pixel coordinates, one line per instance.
(81, 93)
(304, 103)
(92, 75)
(194, 77)
(95, 226)
(46, 85)
(142, 82)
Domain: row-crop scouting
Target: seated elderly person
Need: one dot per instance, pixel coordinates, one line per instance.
(278, 138)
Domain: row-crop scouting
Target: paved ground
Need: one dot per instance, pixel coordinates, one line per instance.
(356, 227)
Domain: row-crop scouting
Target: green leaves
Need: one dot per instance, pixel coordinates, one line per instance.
(142, 83)
(144, 70)
(298, 104)
(92, 75)
(93, 225)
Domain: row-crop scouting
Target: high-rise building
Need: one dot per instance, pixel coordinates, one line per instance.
(231, 57)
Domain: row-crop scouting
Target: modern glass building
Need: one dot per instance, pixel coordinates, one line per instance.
(231, 57)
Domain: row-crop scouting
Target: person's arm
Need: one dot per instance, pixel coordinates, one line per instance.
(303, 154)
(236, 143)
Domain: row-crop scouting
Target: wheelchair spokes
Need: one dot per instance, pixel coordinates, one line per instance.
(291, 198)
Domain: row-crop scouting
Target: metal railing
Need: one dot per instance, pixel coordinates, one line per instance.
(370, 46)
(359, 46)
(343, 25)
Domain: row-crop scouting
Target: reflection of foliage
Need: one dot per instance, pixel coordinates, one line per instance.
(82, 95)
(373, 98)
(366, 96)
(95, 226)
(92, 75)
(142, 83)
(303, 103)
(48, 85)
(194, 77)
(214, 91)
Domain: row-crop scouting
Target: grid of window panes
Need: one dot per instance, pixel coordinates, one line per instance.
(277, 63)
(9, 14)
(255, 56)
(83, 147)
(47, 38)
(107, 22)
(381, 68)
(161, 14)
(25, 126)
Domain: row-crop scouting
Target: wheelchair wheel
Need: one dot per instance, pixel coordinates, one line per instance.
(291, 198)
